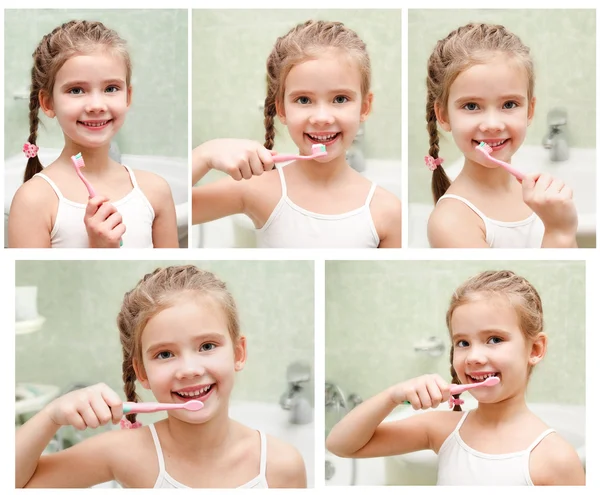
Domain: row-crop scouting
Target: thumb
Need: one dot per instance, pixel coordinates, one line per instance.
(529, 180)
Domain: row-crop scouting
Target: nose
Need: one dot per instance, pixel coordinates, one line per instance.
(95, 103)
(492, 122)
(189, 366)
(322, 115)
(475, 355)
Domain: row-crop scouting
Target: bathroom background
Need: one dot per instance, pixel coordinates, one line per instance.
(157, 39)
(229, 89)
(377, 311)
(79, 340)
(563, 47)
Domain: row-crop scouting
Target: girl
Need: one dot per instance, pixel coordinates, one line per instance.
(495, 321)
(81, 75)
(318, 85)
(181, 339)
(480, 88)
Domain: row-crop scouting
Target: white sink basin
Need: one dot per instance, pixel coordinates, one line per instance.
(420, 468)
(578, 172)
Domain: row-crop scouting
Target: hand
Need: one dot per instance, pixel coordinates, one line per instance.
(422, 392)
(104, 224)
(88, 407)
(552, 201)
(238, 158)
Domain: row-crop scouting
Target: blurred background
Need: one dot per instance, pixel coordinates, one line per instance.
(67, 338)
(385, 323)
(229, 89)
(563, 48)
(154, 136)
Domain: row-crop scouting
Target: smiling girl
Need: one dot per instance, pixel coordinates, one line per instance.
(81, 76)
(319, 78)
(181, 339)
(495, 320)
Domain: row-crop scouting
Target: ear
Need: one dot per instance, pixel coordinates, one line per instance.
(129, 91)
(240, 353)
(46, 104)
(442, 117)
(280, 109)
(140, 374)
(538, 349)
(365, 108)
(530, 110)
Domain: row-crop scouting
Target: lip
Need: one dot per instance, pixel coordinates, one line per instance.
(478, 374)
(326, 143)
(96, 128)
(494, 148)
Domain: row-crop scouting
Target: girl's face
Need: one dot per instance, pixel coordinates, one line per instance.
(90, 98)
(187, 353)
(488, 102)
(487, 341)
(323, 103)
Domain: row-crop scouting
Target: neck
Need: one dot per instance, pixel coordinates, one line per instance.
(96, 159)
(500, 412)
(494, 178)
(324, 172)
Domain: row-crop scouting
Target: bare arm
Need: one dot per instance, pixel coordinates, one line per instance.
(217, 200)
(555, 462)
(392, 214)
(29, 220)
(158, 192)
(455, 226)
(285, 466)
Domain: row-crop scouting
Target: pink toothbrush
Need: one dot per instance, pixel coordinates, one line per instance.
(317, 151)
(147, 407)
(488, 382)
(486, 149)
(79, 163)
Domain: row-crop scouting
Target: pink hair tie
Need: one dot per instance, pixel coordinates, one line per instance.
(30, 150)
(455, 402)
(128, 425)
(433, 163)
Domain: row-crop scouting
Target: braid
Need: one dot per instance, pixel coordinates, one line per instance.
(270, 113)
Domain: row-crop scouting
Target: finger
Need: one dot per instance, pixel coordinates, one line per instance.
(435, 394)
(75, 420)
(245, 170)
(89, 416)
(119, 230)
(543, 182)
(113, 220)
(266, 157)
(114, 402)
(444, 387)
(256, 166)
(101, 409)
(104, 212)
(556, 186)
(93, 205)
(424, 397)
(414, 400)
(530, 180)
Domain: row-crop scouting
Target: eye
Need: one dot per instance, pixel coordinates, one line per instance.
(209, 346)
(164, 355)
(461, 343)
(112, 89)
(471, 106)
(494, 340)
(75, 91)
(509, 105)
(303, 100)
(340, 99)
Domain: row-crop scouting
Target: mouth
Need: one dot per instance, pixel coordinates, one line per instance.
(94, 124)
(323, 138)
(199, 392)
(495, 144)
(480, 376)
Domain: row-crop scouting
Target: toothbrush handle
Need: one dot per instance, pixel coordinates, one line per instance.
(459, 389)
(287, 158)
(87, 184)
(511, 170)
(147, 407)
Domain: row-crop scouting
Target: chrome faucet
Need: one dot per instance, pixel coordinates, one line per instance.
(433, 346)
(556, 139)
(355, 155)
(295, 398)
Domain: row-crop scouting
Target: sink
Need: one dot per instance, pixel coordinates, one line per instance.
(420, 468)
(578, 172)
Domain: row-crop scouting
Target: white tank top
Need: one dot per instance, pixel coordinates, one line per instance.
(69, 231)
(165, 481)
(291, 226)
(526, 233)
(459, 464)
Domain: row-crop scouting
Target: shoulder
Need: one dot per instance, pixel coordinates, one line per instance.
(387, 203)
(151, 183)
(555, 462)
(285, 465)
(36, 192)
(453, 224)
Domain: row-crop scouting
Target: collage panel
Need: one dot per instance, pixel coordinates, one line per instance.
(503, 341)
(95, 136)
(227, 346)
(502, 133)
(277, 87)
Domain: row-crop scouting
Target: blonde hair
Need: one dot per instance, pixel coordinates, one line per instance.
(305, 42)
(518, 292)
(65, 41)
(155, 292)
(463, 48)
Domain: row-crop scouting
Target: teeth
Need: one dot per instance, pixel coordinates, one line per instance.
(323, 138)
(482, 377)
(195, 393)
(95, 124)
(494, 143)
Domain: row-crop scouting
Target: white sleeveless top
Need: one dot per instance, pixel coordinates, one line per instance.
(291, 226)
(164, 480)
(526, 233)
(69, 231)
(459, 464)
